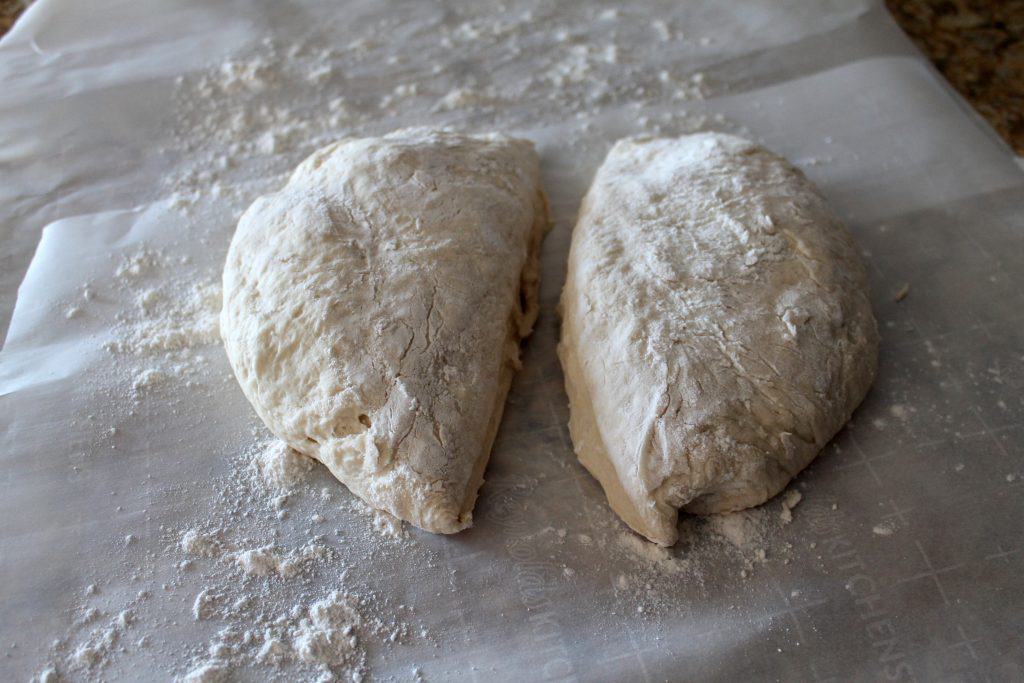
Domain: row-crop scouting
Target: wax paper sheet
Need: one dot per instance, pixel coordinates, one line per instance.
(904, 559)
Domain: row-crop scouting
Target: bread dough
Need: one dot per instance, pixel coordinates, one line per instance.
(373, 310)
(716, 328)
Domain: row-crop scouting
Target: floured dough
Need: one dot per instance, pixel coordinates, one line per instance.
(373, 310)
(716, 328)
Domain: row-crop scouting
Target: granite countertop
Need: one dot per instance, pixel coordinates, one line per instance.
(977, 44)
(9, 11)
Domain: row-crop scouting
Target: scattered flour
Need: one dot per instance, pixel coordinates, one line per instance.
(386, 526)
(259, 625)
(274, 651)
(205, 605)
(267, 561)
(95, 651)
(645, 550)
(159, 339)
(661, 30)
(195, 542)
(327, 636)
(389, 526)
(740, 529)
(281, 467)
(466, 98)
(651, 586)
(258, 561)
(790, 500)
(187, 320)
(149, 379)
(207, 672)
(884, 529)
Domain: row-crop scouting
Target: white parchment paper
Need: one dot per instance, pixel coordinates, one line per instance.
(936, 453)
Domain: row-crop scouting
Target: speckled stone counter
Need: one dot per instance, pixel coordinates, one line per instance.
(9, 11)
(977, 44)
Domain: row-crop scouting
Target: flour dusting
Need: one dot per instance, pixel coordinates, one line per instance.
(281, 467)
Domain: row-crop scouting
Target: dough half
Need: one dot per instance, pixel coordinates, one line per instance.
(716, 328)
(373, 310)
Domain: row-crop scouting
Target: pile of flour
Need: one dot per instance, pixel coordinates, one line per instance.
(280, 467)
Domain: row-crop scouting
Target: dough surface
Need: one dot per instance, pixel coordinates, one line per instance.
(373, 310)
(716, 328)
